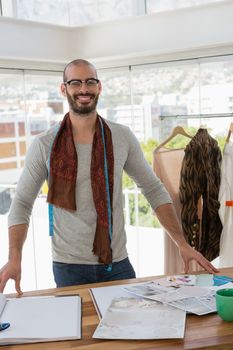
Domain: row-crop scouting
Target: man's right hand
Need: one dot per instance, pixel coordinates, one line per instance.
(10, 271)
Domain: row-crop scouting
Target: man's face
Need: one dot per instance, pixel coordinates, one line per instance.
(82, 99)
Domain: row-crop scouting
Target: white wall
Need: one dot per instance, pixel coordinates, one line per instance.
(24, 43)
(183, 33)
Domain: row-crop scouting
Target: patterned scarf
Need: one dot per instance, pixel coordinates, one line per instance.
(63, 175)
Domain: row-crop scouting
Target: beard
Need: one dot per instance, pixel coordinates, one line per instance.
(82, 109)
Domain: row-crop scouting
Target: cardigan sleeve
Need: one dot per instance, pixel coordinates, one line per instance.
(33, 176)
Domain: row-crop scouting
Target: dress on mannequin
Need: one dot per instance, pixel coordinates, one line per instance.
(167, 166)
(226, 207)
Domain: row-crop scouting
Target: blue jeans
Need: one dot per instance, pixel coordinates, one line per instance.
(74, 274)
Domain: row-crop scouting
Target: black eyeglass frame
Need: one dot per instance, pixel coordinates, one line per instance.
(80, 82)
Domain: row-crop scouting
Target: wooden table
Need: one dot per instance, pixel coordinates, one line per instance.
(202, 332)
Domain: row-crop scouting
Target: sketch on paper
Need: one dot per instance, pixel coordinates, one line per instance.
(134, 318)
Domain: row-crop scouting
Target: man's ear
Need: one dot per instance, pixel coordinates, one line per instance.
(63, 89)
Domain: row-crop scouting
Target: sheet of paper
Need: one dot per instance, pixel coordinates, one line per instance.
(221, 280)
(103, 296)
(34, 319)
(201, 280)
(192, 299)
(205, 280)
(186, 280)
(134, 318)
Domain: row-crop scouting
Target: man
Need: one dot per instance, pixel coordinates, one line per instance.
(83, 159)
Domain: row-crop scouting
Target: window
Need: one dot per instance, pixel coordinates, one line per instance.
(30, 102)
(86, 12)
(44, 103)
(72, 12)
(12, 126)
(165, 91)
(167, 5)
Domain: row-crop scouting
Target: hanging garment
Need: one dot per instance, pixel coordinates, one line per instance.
(167, 166)
(226, 207)
(200, 177)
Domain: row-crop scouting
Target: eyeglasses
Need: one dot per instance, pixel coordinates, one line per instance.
(90, 82)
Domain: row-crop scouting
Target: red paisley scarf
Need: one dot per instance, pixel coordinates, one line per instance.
(63, 176)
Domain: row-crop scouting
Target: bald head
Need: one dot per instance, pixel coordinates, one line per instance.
(78, 62)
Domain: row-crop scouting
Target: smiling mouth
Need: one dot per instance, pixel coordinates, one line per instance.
(84, 98)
